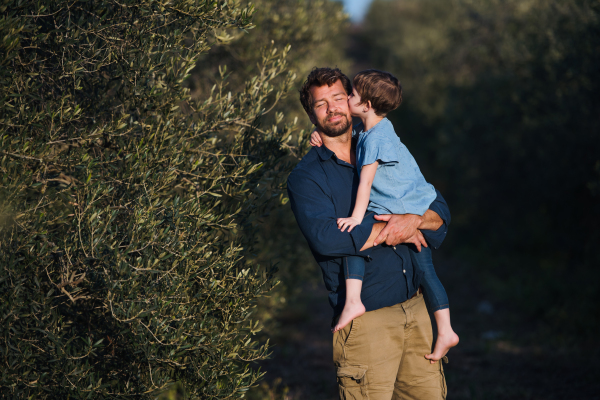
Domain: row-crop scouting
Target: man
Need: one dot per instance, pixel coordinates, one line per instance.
(380, 355)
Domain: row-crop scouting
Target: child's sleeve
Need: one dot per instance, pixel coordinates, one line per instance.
(378, 149)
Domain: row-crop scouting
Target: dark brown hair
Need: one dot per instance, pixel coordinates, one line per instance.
(381, 88)
(320, 77)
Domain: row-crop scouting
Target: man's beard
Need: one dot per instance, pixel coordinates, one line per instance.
(335, 130)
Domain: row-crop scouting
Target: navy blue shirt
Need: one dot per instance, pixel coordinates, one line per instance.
(323, 188)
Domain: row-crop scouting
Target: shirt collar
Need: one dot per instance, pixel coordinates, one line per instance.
(324, 152)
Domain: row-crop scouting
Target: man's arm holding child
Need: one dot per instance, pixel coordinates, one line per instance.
(411, 228)
(404, 228)
(316, 217)
(401, 227)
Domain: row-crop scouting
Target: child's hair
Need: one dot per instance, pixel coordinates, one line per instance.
(381, 88)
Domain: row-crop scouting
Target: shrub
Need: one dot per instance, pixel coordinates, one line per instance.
(126, 206)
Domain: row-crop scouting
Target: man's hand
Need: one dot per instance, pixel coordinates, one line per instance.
(418, 240)
(405, 228)
(400, 229)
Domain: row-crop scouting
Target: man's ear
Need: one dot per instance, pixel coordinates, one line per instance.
(312, 118)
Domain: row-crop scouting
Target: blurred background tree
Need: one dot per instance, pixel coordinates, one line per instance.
(503, 114)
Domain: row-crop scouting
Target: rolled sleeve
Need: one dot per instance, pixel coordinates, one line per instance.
(316, 217)
(439, 205)
(377, 149)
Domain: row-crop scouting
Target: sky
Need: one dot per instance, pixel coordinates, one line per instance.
(356, 8)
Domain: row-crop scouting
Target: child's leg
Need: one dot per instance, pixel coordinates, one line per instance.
(437, 302)
(354, 270)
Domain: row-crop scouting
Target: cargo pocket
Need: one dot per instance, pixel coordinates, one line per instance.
(352, 382)
(354, 325)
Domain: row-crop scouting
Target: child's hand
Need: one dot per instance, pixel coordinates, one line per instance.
(315, 139)
(349, 223)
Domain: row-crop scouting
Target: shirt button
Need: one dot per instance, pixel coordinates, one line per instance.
(404, 270)
(394, 247)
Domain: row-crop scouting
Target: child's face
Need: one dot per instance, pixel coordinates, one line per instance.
(353, 104)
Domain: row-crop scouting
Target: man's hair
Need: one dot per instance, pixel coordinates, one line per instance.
(381, 88)
(320, 77)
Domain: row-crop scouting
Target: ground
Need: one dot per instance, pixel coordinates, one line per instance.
(501, 355)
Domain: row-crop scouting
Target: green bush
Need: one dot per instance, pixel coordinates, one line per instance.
(127, 207)
(316, 30)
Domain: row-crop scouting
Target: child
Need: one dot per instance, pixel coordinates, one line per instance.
(390, 183)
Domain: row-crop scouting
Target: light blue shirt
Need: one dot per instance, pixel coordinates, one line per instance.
(399, 186)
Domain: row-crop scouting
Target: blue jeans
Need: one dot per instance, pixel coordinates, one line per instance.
(433, 291)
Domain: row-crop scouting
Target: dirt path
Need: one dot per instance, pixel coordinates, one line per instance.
(301, 359)
(501, 355)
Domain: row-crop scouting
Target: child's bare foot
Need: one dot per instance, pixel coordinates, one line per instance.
(443, 343)
(352, 309)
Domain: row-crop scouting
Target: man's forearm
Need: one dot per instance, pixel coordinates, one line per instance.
(404, 228)
(377, 227)
(431, 221)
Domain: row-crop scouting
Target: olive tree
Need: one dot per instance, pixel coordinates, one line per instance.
(127, 205)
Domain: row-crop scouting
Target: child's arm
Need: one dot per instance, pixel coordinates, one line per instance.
(367, 174)
(315, 139)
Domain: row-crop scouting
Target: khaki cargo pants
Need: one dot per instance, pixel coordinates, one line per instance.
(380, 355)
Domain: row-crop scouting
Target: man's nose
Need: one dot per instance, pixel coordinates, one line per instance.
(333, 108)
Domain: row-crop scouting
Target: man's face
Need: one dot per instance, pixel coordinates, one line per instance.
(330, 109)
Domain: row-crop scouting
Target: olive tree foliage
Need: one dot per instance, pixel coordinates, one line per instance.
(123, 199)
(316, 31)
